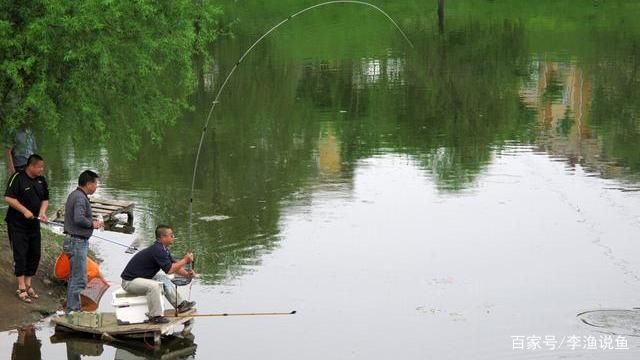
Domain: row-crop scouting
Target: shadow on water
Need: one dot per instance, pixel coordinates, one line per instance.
(173, 347)
(27, 345)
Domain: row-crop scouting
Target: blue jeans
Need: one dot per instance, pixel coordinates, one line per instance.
(169, 289)
(76, 249)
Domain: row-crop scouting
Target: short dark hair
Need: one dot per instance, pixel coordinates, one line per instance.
(161, 230)
(87, 176)
(34, 158)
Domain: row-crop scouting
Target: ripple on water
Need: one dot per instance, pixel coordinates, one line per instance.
(617, 322)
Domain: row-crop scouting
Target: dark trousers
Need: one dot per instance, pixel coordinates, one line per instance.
(25, 243)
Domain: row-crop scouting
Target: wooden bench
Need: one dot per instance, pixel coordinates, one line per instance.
(109, 209)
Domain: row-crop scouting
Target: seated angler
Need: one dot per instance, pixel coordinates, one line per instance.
(142, 275)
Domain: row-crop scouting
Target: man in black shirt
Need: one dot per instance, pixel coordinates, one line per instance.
(142, 275)
(28, 197)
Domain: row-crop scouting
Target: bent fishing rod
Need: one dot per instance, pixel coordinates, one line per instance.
(233, 69)
(130, 248)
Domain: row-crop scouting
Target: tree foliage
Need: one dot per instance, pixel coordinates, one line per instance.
(101, 68)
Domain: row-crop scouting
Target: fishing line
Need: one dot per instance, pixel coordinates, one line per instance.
(233, 69)
(130, 248)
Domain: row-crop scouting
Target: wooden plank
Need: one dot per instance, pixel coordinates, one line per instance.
(113, 209)
(122, 211)
(110, 206)
(109, 324)
(105, 212)
(106, 207)
(101, 211)
(112, 202)
(109, 202)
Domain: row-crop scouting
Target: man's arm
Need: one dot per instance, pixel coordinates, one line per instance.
(12, 194)
(10, 167)
(185, 273)
(43, 211)
(14, 203)
(44, 205)
(177, 267)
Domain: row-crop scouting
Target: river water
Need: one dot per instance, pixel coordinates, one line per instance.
(466, 198)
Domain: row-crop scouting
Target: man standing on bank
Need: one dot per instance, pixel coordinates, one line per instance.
(142, 275)
(20, 145)
(28, 197)
(78, 227)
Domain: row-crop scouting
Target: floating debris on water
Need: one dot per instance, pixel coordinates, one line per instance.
(433, 310)
(442, 281)
(215, 218)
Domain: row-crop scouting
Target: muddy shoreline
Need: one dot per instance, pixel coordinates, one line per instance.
(51, 291)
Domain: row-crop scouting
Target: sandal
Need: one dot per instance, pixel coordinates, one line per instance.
(32, 293)
(23, 295)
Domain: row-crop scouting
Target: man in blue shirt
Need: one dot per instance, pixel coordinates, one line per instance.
(142, 275)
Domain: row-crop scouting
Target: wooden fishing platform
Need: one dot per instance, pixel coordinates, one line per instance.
(106, 325)
(108, 208)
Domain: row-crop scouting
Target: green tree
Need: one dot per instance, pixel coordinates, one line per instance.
(101, 68)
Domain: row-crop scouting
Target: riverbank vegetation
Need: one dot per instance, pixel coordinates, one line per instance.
(101, 69)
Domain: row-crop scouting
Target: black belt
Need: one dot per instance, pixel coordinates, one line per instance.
(78, 236)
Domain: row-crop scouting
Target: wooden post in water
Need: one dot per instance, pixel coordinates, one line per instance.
(441, 16)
